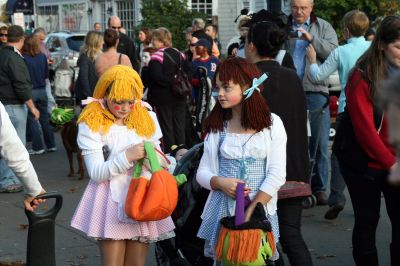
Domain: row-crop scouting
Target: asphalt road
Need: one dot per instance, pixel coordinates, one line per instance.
(329, 241)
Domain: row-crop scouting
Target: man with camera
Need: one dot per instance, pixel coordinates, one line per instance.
(308, 29)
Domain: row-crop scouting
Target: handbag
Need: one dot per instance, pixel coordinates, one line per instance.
(154, 199)
(245, 243)
(345, 145)
(182, 86)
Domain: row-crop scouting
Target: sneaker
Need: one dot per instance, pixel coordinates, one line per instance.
(52, 149)
(333, 212)
(33, 152)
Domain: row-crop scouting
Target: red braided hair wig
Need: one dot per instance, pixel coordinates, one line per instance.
(255, 111)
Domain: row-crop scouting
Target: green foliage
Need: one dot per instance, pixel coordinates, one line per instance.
(171, 14)
(334, 10)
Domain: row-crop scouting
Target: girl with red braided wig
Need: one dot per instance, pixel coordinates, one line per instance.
(245, 143)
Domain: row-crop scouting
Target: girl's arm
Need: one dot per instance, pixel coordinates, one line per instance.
(98, 169)
(362, 117)
(207, 173)
(207, 168)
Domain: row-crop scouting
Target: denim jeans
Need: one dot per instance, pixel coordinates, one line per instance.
(50, 99)
(365, 192)
(318, 146)
(39, 98)
(17, 114)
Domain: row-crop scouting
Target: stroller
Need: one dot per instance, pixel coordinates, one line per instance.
(64, 84)
(186, 248)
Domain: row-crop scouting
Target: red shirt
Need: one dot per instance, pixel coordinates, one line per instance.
(382, 155)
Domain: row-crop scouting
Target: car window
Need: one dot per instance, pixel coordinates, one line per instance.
(75, 42)
(54, 44)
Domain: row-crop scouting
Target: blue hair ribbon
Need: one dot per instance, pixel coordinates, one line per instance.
(256, 82)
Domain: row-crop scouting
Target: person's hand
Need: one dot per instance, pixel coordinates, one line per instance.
(305, 35)
(249, 211)
(394, 176)
(311, 54)
(35, 112)
(31, 203)
(135, 152)
(234, 52)
(227, 185)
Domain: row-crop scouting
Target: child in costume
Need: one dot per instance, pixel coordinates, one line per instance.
(112, 128)
(245, 143)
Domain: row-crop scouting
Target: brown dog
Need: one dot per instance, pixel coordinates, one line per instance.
(69, 134)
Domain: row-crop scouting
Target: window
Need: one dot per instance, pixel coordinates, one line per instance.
(74, 17)
(203, 6)
(126, 11)
(48, 18)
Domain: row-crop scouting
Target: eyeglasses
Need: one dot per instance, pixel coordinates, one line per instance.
(3, 35)
(115, 28)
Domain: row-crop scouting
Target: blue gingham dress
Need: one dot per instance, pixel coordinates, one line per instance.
(220, 205)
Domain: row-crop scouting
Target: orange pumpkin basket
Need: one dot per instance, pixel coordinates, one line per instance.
(154, 199)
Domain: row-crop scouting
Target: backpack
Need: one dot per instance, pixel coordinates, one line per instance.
(345, 145)
(182, 86)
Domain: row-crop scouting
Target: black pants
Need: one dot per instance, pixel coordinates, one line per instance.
(365, 193)
(172, 122)
(289, 215)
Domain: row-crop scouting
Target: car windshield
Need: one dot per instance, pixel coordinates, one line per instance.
(75, 42)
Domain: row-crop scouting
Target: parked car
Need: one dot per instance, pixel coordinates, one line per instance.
(64, 45)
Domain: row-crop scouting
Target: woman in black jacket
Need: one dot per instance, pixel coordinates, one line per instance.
(285, 96)
(87, 77)
(170, 109)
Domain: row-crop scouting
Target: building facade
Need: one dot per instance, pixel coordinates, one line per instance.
(80, 15)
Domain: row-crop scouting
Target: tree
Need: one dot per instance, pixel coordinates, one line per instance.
(171, 14)
(334, 10)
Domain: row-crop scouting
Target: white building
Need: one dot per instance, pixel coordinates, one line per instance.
(80, 15)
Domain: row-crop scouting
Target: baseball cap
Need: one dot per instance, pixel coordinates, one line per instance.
(203, 42)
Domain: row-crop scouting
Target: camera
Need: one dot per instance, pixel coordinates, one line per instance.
(294, 34)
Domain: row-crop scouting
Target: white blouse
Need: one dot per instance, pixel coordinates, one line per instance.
(268, 143)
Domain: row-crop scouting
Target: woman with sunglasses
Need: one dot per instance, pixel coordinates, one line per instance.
(3, 35)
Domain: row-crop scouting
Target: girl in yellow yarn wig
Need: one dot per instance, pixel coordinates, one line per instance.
(119, 83)
(112, 128)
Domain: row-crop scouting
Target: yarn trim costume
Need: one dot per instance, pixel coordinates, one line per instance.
(100, 213)
(115, 80)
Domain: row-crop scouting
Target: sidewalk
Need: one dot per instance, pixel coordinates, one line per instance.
(329, 241)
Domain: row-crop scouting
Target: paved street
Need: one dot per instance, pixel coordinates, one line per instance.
(328, 241)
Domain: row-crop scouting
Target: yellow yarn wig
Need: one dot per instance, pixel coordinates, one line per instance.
(119, 83)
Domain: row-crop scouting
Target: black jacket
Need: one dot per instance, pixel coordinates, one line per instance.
(160, 78)
(127, 46)
(87, 78)
(285, 97)
(15, 80)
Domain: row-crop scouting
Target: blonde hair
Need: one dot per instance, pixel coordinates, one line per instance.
(357, 22)
(163, 35)
(93, 44)
(118, 83)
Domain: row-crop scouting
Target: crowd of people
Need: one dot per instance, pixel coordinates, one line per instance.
(270, 119)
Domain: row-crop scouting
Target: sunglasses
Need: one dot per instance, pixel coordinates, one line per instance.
(3, 35)
(115, 28)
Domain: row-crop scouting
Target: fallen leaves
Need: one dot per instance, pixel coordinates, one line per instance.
(22, 227)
